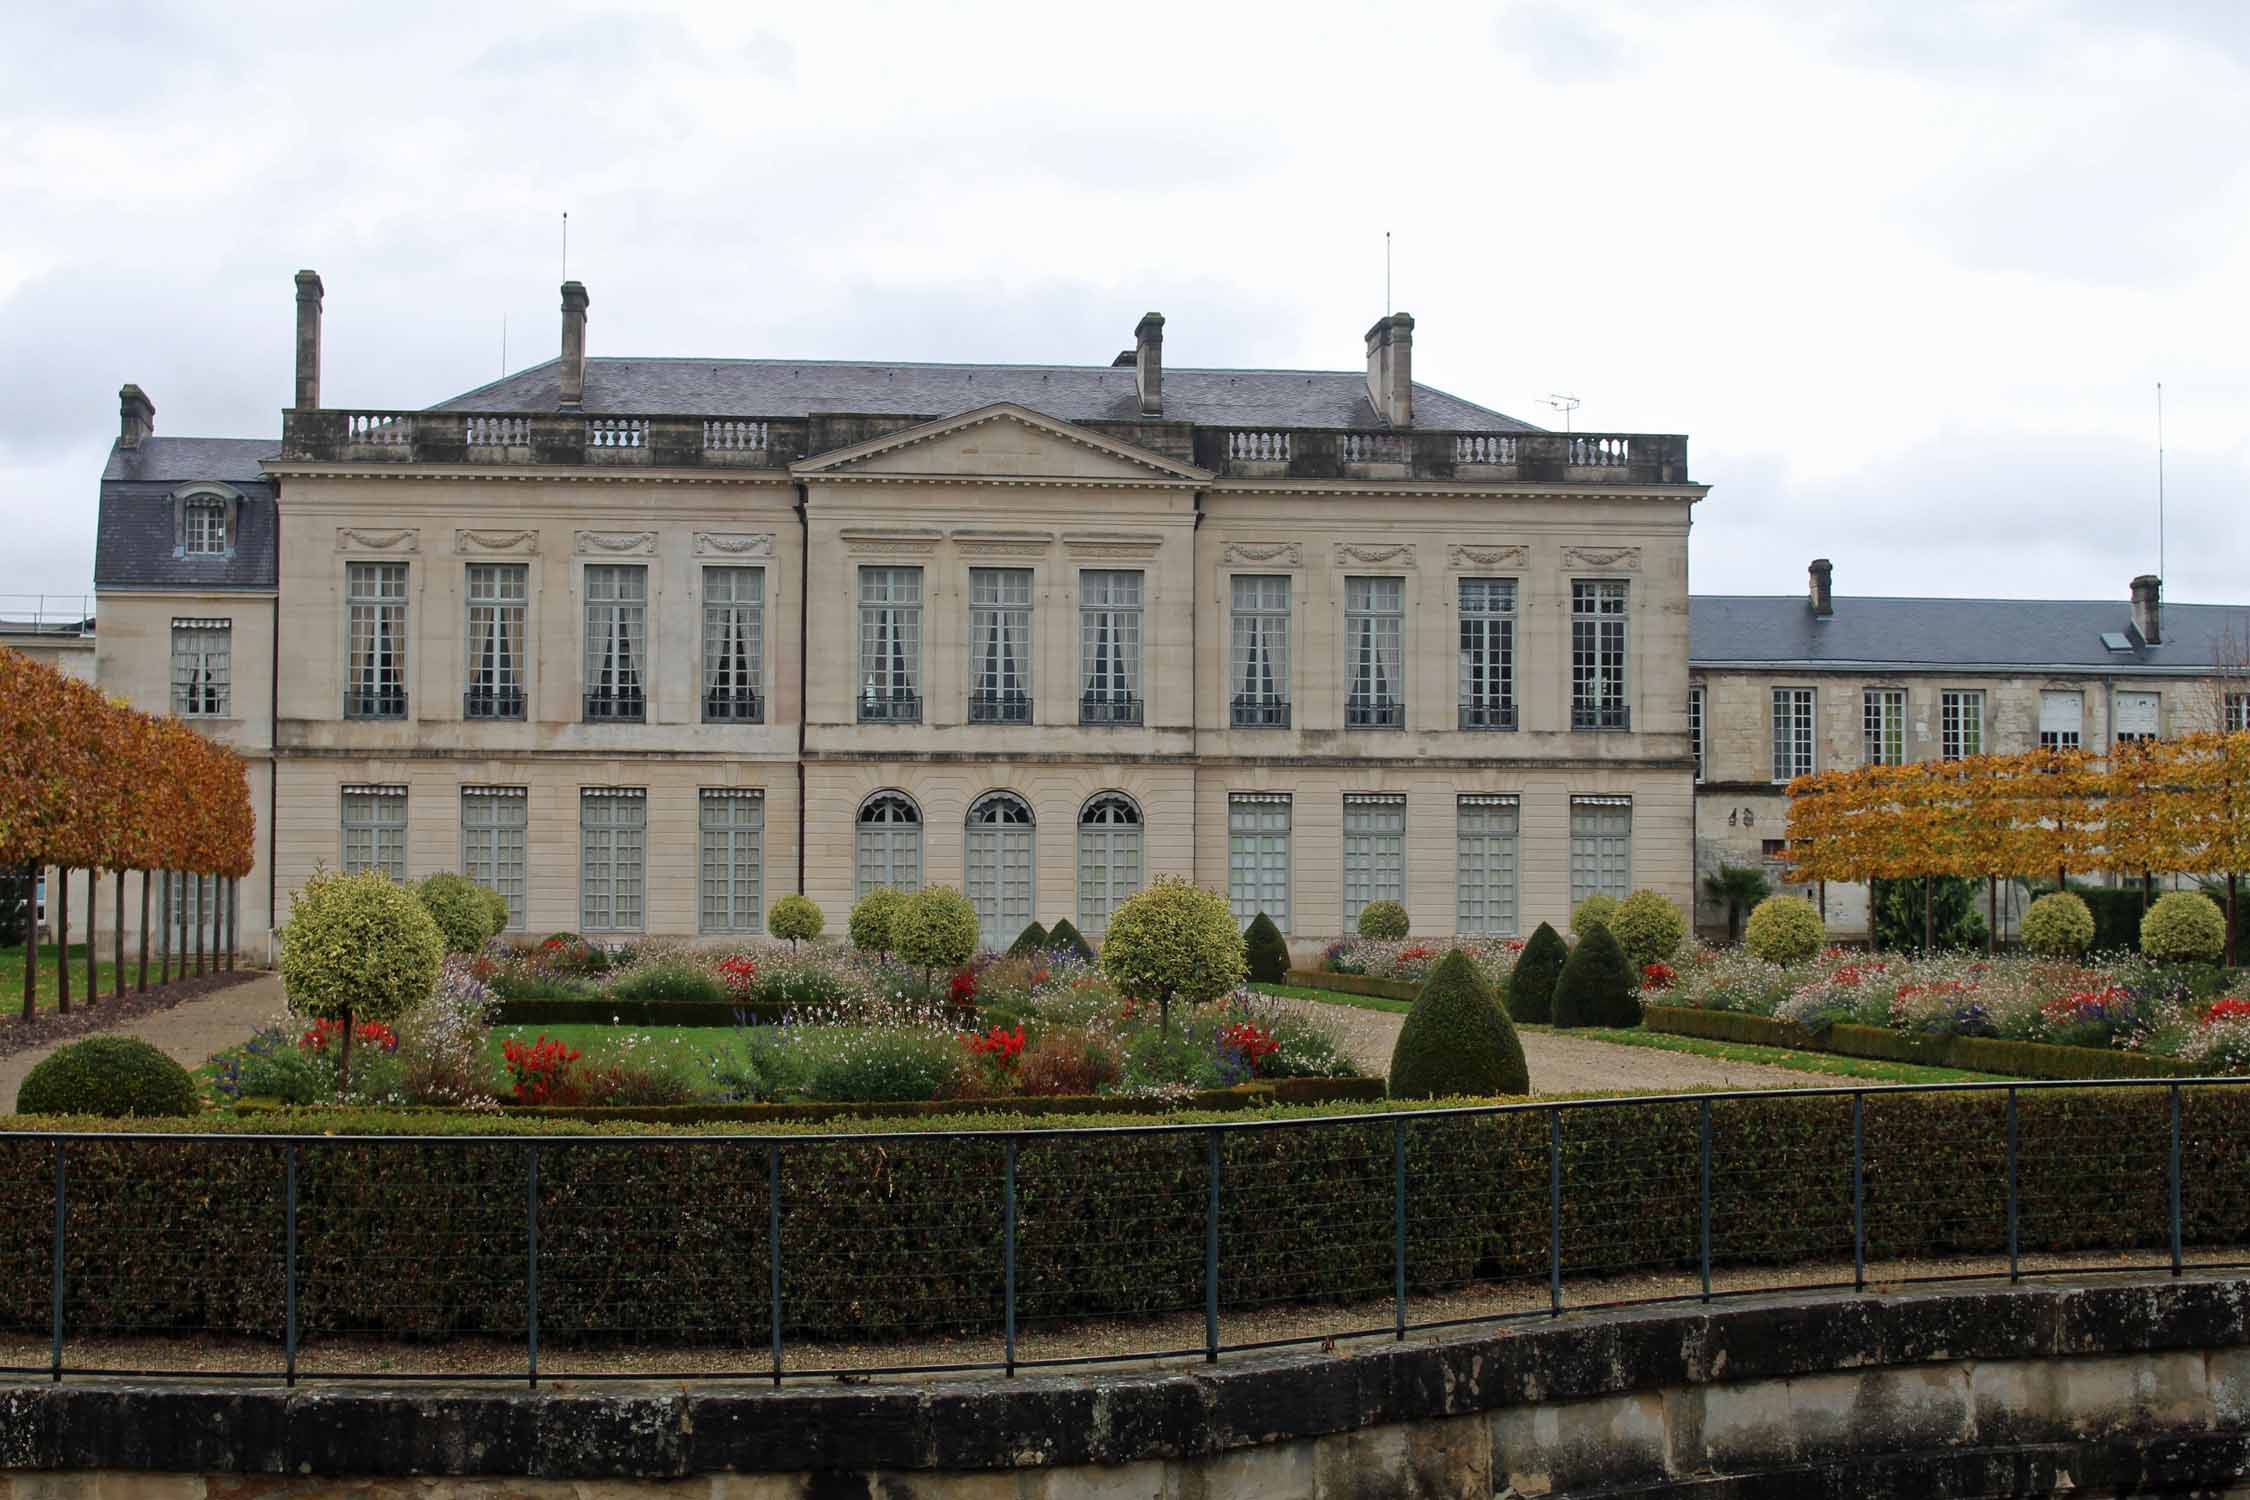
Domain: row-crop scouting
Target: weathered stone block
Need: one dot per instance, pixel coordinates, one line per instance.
(1912, 1327)
(354, 1430)
(1605, 1440)
(1879, 1411)
(1150, 1417)
(792, 1428)
(1300, 1396)
(2152, 1315)
(601, 1435)
(1011, 1424)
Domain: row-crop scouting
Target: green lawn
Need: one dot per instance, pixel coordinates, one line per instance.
(658, 1045)
(1335, 997)
(11, 977)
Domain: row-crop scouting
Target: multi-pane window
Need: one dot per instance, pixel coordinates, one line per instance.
(734, 644)
(1488, 653)
(192, 901)
(204, 528)
(2062, 720)
(1486, 832)
(498, 595)
(1882, 714)
(1109, 858)
(202, 668)
(2139, 716)
(1792, 733)
(1601, 847)
(999, 867)
(1258, 652)
(1960, 724)
(494, 825)
(1258, 856)
(2238, 713)
(1000, 646)
(616, 642)
(890, 645)
(612, 858)
(1597, 655)
(1375, 652)
(375, 611)
(1695, 727)
(1374, 852)
(888, 851)
(732, 825)
(1109, 647)
(375, 830)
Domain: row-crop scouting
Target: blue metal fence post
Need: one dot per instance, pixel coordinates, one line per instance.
(62, 1198)
(1703, 1133)
(1211, 1250)
(2175, 1173)
(531, 1250)
(1009, 1257)
(1398, 1226)
(1554, 1208)
(1859, 1192)
(773, 1256)
(2013, 1243)
(289, 1271)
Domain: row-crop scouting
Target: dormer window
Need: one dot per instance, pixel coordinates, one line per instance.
(204, 526)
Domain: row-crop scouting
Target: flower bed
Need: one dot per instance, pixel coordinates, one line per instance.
(1409, 960)
(1355, 984)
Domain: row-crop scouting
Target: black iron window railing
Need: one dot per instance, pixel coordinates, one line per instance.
(1374, 713)
(1257, 712)
(492, 703)
(1600, 716)
(737, 706)
(616, 706)
(999, 708)
(1109, 708)
(375, 703)
(1488, 714)
(890, 708)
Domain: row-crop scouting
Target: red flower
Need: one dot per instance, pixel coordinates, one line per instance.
(1253, 1041)
(2228, 1009)
(1000, 1044)
(541, 1070)
(964, 988)
(1657, 976)
(739, 972)
(366, 1033)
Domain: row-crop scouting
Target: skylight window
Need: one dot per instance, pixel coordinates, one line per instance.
(2115, 640)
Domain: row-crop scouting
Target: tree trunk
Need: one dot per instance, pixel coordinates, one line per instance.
(1734, 920)
(344, 1060)
(1929, 913)
(1991, 914)
(62, 941)
(2230, 918)
(30, 941)
(1164, 1013)
(93, 934)
(117, 938)
(141, 984)
(205, 887)
(164, 931)
(231, 908)
(180, 899)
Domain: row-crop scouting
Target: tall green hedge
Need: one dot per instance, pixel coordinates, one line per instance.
(1531, 987)
(1265, 951)
(1596, 987)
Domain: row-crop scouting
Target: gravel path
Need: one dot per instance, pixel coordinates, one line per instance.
(188, 1033)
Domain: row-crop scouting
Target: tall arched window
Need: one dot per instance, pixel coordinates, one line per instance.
(889, 844)
(1109, 857)
(999, 873)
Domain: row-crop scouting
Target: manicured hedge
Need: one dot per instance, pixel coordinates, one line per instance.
(666, 1238)
(1354, 984)
(1976, 1054)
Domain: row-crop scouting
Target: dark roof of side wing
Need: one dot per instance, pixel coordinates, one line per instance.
(135, 540)
(2062, 634)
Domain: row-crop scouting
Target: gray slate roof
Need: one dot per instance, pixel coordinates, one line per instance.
(1071, 393)
(2061, 634)
(135, 543)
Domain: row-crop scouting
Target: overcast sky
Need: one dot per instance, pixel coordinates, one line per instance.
(1906, 273)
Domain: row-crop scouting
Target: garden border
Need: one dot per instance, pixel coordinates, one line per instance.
(1354, 984)
(1975, 1054)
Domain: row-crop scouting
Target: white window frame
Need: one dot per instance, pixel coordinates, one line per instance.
(2054, 732)
(495, 845)
(1960, 723)
(612, 859)
(1796, 733)
(999, 866)
(887, 840)
(1695, 729)
(376, 641)
(1258, 628)
(1601, 846)
(1259, 856)
(2237, 713)
(498, 605)
(1600, 641)
(616, 644)
(1112, 857)
(1374, 847)
(730, 859)
(1110, 601)
(1487, 653)
(1882, 726)
(372, 823)
(734, 645)
(203, 669)
(1488, 885)
(2138, 706)
(890, 645)
(1000, 646)
(203, 527)
(1375, 651)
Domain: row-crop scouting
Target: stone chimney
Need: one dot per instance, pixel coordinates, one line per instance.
(2148, 608)
(136, 416)
(1390, 368)
(1821, 574)
(574, 343)
(1148, 362)
(308, 340)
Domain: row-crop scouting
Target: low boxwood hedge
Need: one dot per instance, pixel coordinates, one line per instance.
(1354, 984)
(1976, 1054)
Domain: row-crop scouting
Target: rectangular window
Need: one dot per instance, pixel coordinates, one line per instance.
(1258, 856)
(1695, 728)
(1488, 653)
(494, 824)
(375, 675)
(2062, 720)
(202, 668)
(1000, 647)
(1597, 655)
(616, 643)
(1258, 652)
(375, 830)
(1485, 835)
(1792, 733)
(2139, 717)
(194, 899)
(613, 854)
(1375, 652)
(205, 524)
(1374, 852)
(734, 645)
(2238, 713)
(1601, 847)
(890, 645)
(1961, 725)
(733, 859)
(1109, 647)
(1883, 726)
(498, 595)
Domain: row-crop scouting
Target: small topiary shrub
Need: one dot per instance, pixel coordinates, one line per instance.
(1265, 951)
(795, 918)
(1595, 987)
(1064, 938)
(1591, 913)
(1785, 930)
(1531, 988)
(1457, 1040)
(2059, 925)
(1033, 939)
(457, 904)
(358, 948)
(498, 905)
(1648, 927)
(113, 1077)
(870, 924)
(1173, 940)
(1384, 921)
(935, 928)
(2184, 927)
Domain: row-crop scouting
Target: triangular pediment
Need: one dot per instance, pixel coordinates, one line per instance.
(1005, 442)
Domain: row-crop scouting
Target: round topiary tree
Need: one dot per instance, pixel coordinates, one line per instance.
(2184, 927)
(1064, 938)
(1383, 921)
(2059, 925)
(870, 924)
(456, 903)
(1648, 927)
(1173, 941)
(1592, 913)
(1595, 987)
(1457, 1040)
(1033, 939)
(1785, 930)
(114, 1077)
(499, 908)
(1265, 952)
(1531, 988)
(935, 928)
(796, 918)
(357, 948)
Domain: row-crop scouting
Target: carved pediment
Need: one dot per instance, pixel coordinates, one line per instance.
(1004, 443)
(1398, 554)
(1275, 554)
(747, 545)
(515, 543)
(616, 543)
(1602, 557)
(1468, 556)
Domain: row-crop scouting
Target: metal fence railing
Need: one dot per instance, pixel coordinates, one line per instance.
(511, 1256)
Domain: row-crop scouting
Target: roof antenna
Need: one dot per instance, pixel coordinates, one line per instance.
(2160, 479)
(1566, 405)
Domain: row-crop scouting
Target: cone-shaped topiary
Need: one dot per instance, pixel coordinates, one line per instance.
(1064, 938)
(870, 924)
(2184, 927)
(1785, 930)
(1033, 939)
(1266, 951)
(1648, 927)
(2059, 925)
(1457, 1040)
(1531, 988)
(1596, 986)
(110, 1076)
(1383, 921)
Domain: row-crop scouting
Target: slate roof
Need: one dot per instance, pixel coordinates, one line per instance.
(1072, 393)
(134, 542)
(2053, 634)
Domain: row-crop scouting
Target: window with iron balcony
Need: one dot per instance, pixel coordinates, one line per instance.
(1597, 655)
(1488, 653)
(616, 644)
(1375, 637)
(1259, 653)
